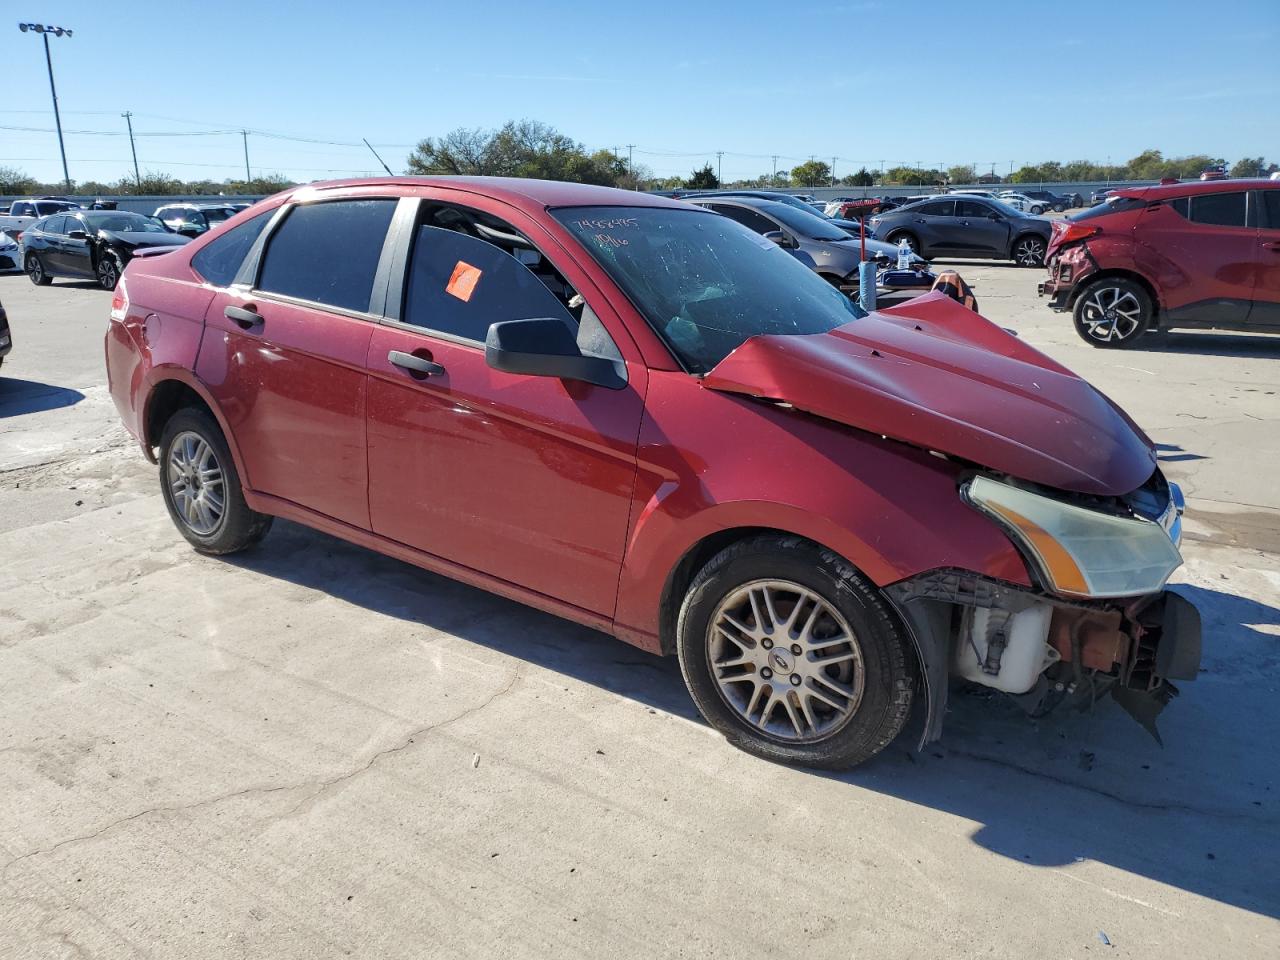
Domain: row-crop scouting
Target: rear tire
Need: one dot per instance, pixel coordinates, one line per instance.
(1036, 210)
(793, 656)
(35, 270)
(201, 488)
(1112, 313)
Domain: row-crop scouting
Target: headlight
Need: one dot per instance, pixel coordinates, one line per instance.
(1079, 552)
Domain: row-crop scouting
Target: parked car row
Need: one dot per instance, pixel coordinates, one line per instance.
(1182, 255)
(648, 418)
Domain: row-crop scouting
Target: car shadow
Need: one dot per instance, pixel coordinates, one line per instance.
(19, 397)
(1072, 787)
(1172, 453)
(1224, 344)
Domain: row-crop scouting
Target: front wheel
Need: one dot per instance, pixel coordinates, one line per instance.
(201, 487)
(108, 270)
(1112, 312)
(1029, 251)
(912, 243)
(35, 270)
(793, 656)
(1037, 210)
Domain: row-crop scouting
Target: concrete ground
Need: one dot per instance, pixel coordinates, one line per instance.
(312, 751)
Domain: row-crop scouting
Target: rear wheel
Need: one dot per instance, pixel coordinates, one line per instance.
(201, 487)
(793, 656)
(1028, 251)
(1036, 210)
(1112, 312)
(35, 270)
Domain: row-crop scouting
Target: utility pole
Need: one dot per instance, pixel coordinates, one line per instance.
(833, 170)
(719, 157)
(48, 59)
(247, 175)
(630, 169)
(128, 118)
(774, 181)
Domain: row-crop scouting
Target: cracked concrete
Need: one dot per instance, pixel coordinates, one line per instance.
(275, 756)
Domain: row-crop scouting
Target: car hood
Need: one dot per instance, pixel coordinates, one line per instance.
(936, 375)
(143, 238)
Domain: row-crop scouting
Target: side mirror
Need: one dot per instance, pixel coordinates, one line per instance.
(781, 239)
(545, 347)
(77, 235)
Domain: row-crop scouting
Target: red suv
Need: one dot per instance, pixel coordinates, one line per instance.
(1192, 255)
(638, 415)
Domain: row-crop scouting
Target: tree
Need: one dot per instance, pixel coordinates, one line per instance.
(15, 183)
(523, 148)
(963, 173)
(466, 152)
(703, 179)
(1250, 167)
(811, 173)
(862, 178)
(912, 176)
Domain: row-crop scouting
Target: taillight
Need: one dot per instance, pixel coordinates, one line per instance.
(119, 301)
(1078, 231)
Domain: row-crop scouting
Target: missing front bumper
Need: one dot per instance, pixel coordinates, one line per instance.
(1131, 648)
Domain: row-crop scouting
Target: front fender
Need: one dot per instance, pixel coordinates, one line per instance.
(890, 509)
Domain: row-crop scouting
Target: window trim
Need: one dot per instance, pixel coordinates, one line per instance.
(250, 272)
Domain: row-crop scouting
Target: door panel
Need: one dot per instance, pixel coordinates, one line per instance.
(292, 389)
(525, 478)
(980, 235)
(1266, 293)
(1206, 272)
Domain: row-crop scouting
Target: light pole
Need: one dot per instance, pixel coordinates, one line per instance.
(128, 118)
(57, 117)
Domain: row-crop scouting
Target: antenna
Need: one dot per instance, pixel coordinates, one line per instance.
(380, 160)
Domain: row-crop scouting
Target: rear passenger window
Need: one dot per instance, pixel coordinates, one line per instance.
(1271, 204)
(220, 260)
(1218, 209)
(748, 218)
(460, 285)
(328, 252)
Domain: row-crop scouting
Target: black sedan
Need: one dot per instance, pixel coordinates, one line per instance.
(96, 244)
(6, 339)
(966, 226)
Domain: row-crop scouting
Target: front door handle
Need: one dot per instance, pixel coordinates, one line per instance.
(245, 317)
(415, 364)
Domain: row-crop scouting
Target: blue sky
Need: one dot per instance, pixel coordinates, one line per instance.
(975, 82)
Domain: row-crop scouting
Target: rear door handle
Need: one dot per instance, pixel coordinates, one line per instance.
(415, 364)
(245, 317)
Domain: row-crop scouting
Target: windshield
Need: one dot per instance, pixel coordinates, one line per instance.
(807, 222)
(217, 214)
(704, 282)
(124, 222)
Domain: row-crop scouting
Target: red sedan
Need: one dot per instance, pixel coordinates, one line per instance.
(641, 416)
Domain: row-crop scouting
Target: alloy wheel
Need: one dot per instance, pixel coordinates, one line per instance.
(785, 660)
(1029, 252)
(195, 480)
(34, 269)
(1111, 315)
(108, 272)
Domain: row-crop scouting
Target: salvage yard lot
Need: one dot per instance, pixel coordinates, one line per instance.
(311, 750)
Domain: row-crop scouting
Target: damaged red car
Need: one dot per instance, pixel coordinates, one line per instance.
(646, 418)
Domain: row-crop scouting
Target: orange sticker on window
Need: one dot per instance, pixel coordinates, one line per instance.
(462, 282)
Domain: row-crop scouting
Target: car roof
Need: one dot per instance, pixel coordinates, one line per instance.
(1193, 187)
(519, 192)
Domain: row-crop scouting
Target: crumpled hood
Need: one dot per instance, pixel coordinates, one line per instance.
(145, 238)
(935, 374)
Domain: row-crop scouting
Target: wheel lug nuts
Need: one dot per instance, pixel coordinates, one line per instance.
(795, 648)
(795, 679)
(766, 673)
(767, 644)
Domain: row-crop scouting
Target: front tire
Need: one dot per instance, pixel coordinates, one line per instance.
(793, 656)
(108, 270)
(912, 242)
(201, 488)
(1037, 210)
(35, 270)
(1029, 250)
(1112, 313)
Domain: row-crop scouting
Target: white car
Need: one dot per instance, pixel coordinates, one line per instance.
(10, 255)
(1020, 201)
